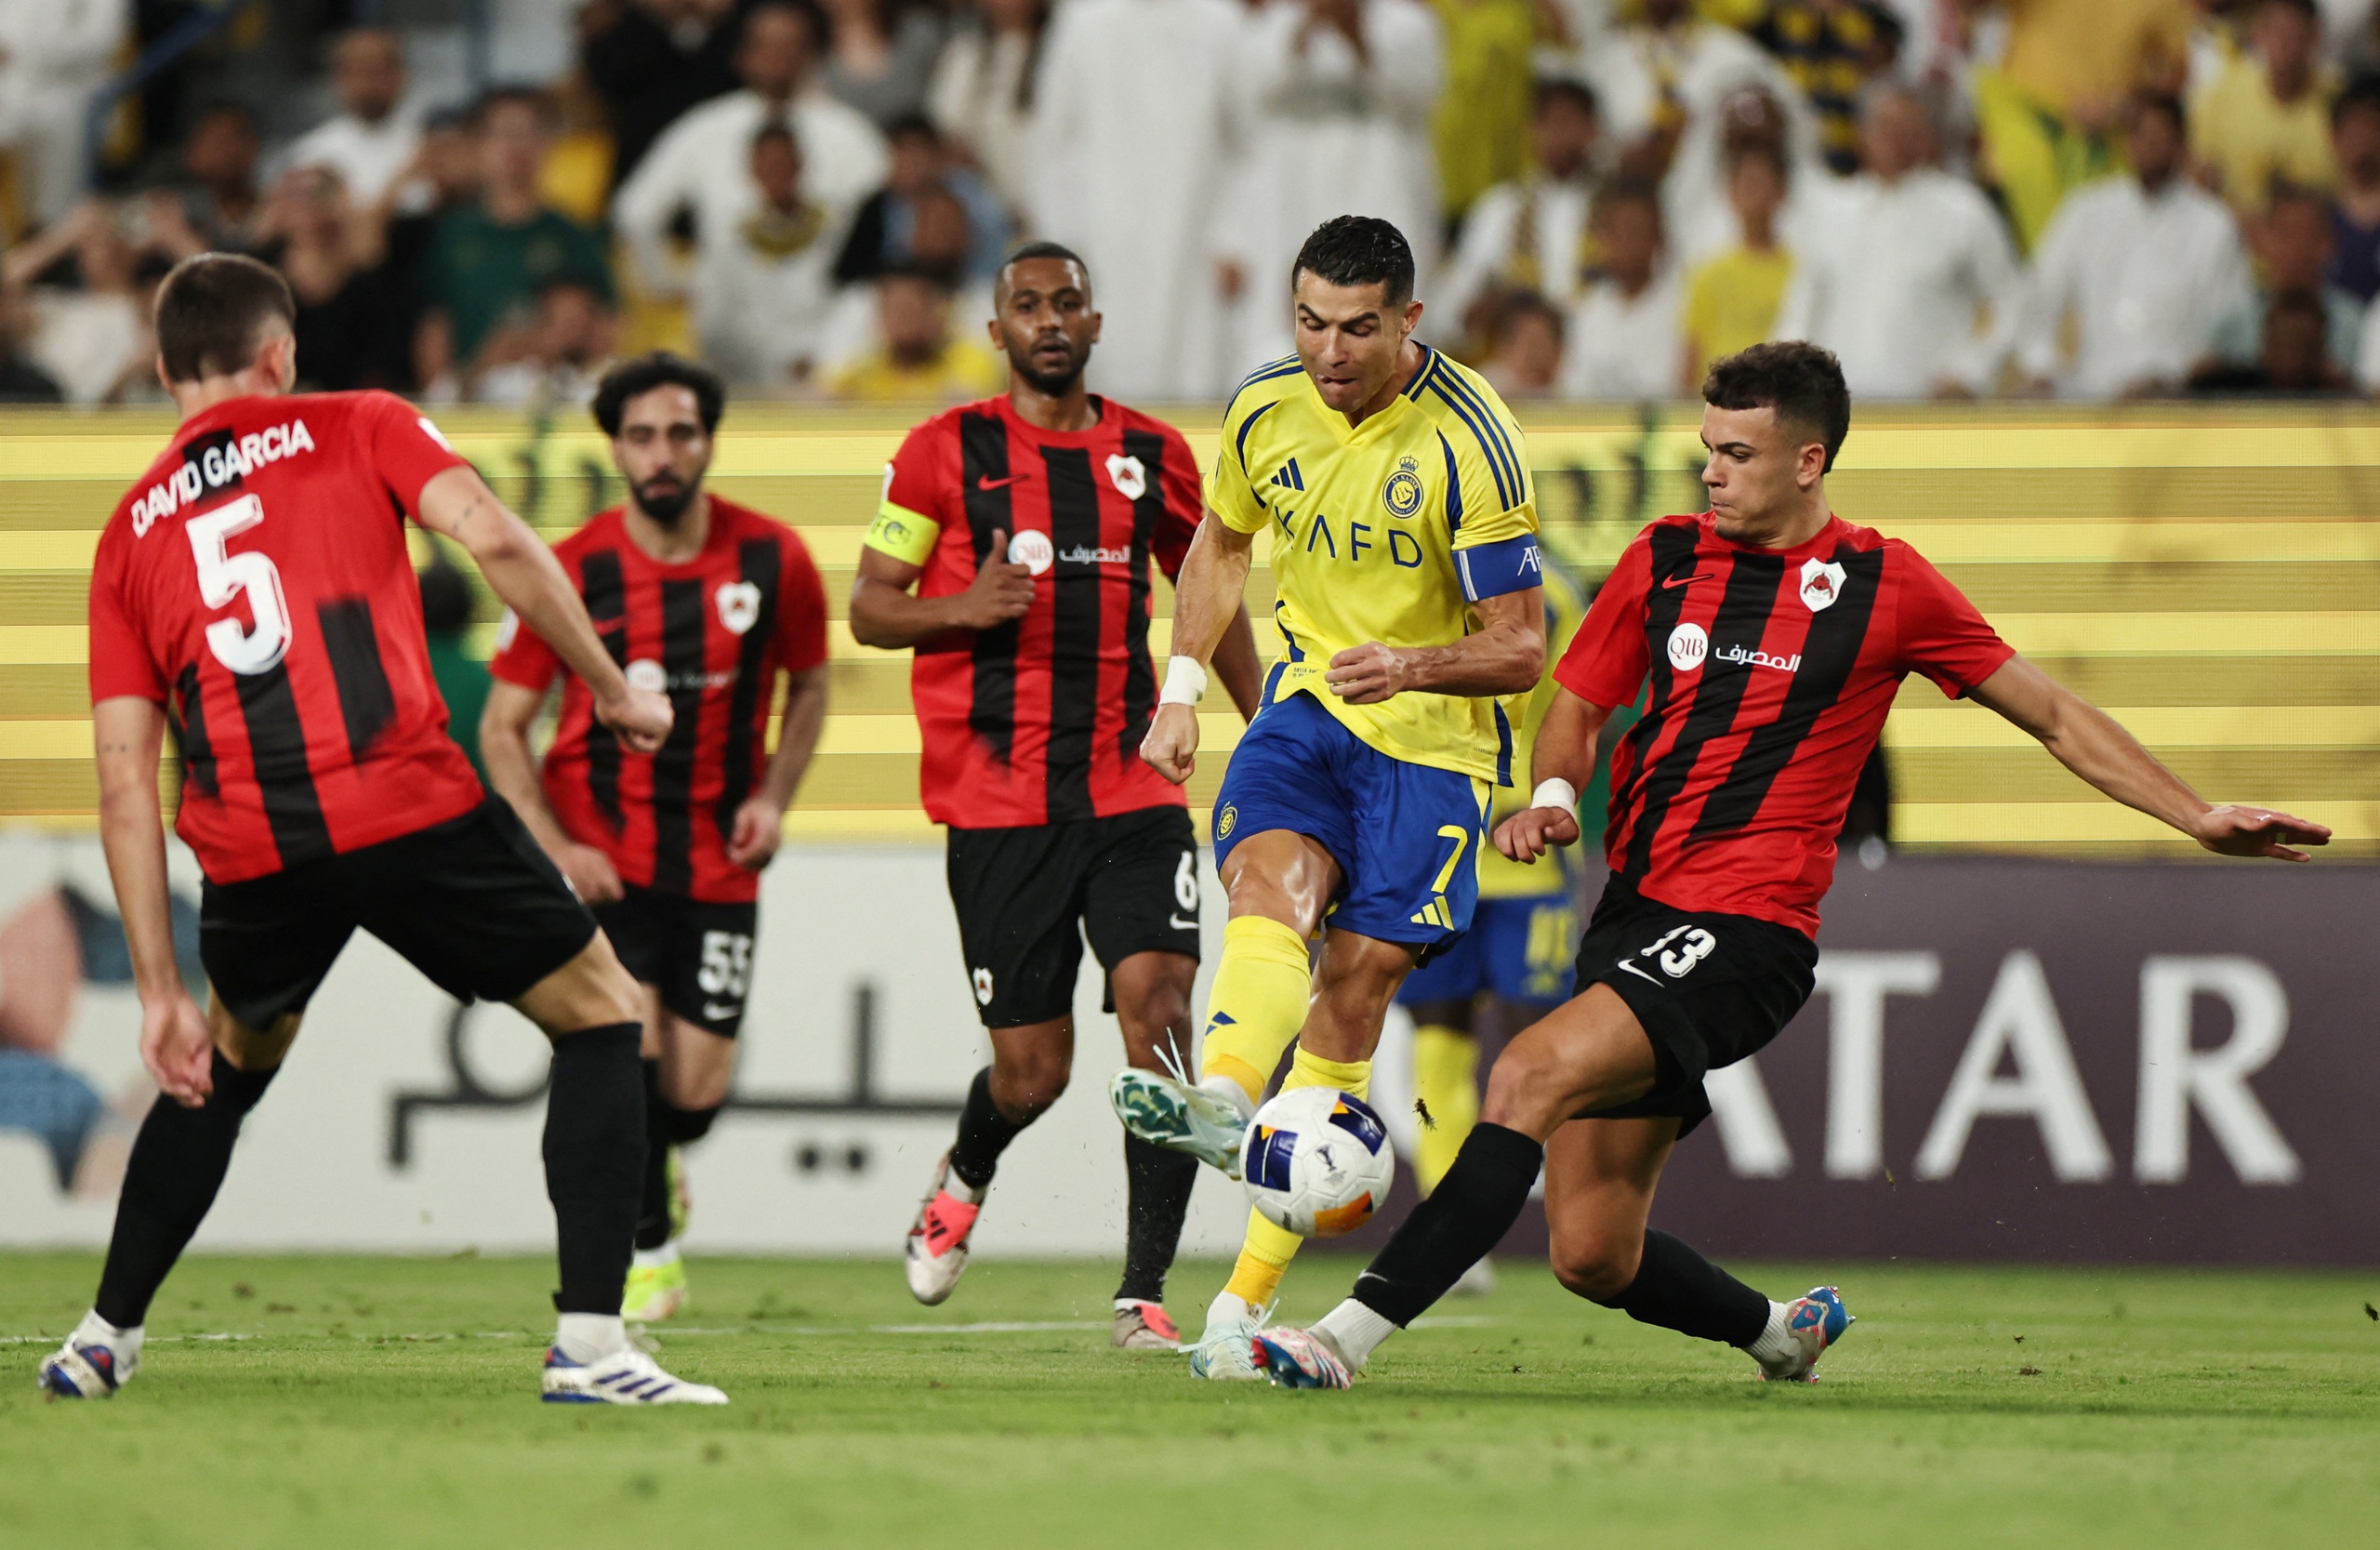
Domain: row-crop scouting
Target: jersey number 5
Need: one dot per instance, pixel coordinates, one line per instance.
(223, 576)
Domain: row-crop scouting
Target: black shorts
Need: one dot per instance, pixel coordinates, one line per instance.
(1027, 897)
(1708, 990)
(697, 954)
(472, 903)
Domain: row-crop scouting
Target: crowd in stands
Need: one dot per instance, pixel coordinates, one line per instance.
(2095, 199)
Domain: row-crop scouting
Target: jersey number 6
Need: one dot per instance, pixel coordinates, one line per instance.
(223, 576)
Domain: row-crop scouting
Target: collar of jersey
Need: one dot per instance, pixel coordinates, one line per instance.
(1006, 409)
(1828, 536)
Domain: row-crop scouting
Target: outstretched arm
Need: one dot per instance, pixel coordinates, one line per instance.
(2088, 741)
(459, 505)
(130, 732)
(1209, 595)
(1563, 756)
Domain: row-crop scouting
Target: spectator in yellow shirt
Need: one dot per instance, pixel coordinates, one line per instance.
(918, 360)
(1481, 124)
(1731, 299)
(2268, 114)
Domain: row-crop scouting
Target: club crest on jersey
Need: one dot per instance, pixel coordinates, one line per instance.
(739, 606)
(1032, 551)
(1690, 643)
(1131, 480)
(1821, 584)
(1402, 493)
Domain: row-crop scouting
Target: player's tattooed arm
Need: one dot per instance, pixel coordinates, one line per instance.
(512, 770)
(519, 568)
(1209, 601)
(129, 734)
(760, 822)
(1505, 656)
(1565, 750)
(2095, 745)
(886, 615)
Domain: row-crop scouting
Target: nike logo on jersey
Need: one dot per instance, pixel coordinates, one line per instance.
(986, 481)
(1668, 582)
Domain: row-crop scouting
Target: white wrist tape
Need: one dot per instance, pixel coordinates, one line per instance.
(1555, 794)
(1185, 682)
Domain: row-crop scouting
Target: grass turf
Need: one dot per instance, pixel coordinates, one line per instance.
(381, 1402)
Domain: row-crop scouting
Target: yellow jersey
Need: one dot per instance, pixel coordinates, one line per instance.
(1387, 531)
(1565, 608)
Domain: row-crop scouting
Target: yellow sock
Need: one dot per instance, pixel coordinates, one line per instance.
(1446, 1078)
(1265, 1252)
(1257, 1002)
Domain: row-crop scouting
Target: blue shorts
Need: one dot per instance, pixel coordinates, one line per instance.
(1523, 950)
(1407, 837)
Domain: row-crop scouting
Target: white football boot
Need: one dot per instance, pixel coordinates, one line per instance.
(935, 1254)
(625, 1377)
(1165, 1108)
(85, 1369)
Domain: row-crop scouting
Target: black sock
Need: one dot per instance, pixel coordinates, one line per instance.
(1156, 1182)
(1473, 1206)
(666, 1125)
(1677, 1289)
(594, 1150)
(178, 1164)
(984, 1135)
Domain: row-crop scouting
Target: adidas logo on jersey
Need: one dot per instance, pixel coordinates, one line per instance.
(1288, 477)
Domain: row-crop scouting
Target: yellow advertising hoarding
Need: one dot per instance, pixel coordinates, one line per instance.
(2212, 576)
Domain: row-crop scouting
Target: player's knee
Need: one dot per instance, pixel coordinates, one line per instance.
(1030, 1085)
(1524, 1069)
(1597, 1265)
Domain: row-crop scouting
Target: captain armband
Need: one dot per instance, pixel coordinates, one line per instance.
(906, 536)
(1506, 566)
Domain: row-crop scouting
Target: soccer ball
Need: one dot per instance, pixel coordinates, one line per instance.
(1316, 1161)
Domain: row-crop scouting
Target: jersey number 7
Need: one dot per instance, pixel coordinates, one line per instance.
(223, 576)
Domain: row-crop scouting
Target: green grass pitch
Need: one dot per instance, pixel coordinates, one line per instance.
(393, 1402)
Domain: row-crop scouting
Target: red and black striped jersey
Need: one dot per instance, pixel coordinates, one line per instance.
(714, 631)
(1772, 673)
(1041, 720)
(256, 583)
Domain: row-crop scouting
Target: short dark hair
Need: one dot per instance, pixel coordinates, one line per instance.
(1628, 191)
(1031, 250)
(535, 98)
(2362, 92)
(1359, 250)
(776, 129)
(641, 374)
(1799, 380)
(2308, 8)
(214, 309)
(912, 126)
(1516, 305)
(1551, 89)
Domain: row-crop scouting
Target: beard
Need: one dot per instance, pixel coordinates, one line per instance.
(665, 506)
(1053, 384)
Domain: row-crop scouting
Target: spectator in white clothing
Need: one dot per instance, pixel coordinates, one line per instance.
(1134, 121)
(1623, 334)
(2293, 242)
(54, 53)
(1911, 280)
(2137, 270)
(373, 137)
(1528, 235)
(1338, 99)
(702, 163)
(981, 94)
(763, 295)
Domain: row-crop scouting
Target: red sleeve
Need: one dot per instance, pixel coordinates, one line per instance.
(1184, 505)
(1943, 635)
(923, 473)
(523, 657)
(1607, 660)
(120, 661)
(405, 449)
(802, 609)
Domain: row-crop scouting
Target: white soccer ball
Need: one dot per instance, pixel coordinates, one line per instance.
(1316, 1161)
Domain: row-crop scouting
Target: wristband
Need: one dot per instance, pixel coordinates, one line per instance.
(1555, 794)
(1185, 682)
